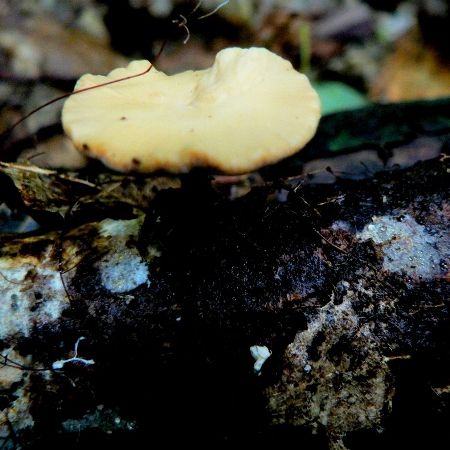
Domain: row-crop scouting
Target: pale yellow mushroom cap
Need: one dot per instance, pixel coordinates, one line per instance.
(250, 109)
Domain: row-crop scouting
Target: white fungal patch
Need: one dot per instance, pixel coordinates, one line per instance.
(322, 387)
(260, 355)
(121, 228)
(53, 291)
(14, 303)
(408, 247)
(123, 271)
(123, 268)
(30, 294)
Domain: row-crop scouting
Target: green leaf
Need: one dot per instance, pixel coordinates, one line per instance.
(336, 96)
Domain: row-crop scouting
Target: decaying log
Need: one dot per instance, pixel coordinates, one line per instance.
(249, 310)
(144, 328)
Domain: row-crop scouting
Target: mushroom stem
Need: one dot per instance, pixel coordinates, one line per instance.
(197, 181)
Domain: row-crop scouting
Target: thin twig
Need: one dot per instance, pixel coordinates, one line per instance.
(8, 362)
(46, 172)
(10, 281)
(78, 91)
(221, 5)
(329, 242)
(199, 3)
(183, 24)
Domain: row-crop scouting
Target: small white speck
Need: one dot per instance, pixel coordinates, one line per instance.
(62, 362)
(260, 355)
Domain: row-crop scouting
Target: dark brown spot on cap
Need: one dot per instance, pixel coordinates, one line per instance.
(86, 147)
(123, 118)
(136, 162)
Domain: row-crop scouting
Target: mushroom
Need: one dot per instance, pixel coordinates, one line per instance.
(250, 109)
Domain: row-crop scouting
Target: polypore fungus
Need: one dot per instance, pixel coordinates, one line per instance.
(250, 109)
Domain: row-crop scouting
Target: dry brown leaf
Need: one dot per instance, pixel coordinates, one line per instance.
(413, 71)
(42, 46)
